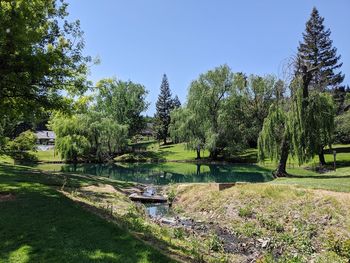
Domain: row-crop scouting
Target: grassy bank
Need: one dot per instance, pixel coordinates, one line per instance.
(40, 224)
(269, 223)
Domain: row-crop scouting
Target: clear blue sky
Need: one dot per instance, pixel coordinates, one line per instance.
(142, 39)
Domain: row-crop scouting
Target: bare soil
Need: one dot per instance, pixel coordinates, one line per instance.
(5, 197)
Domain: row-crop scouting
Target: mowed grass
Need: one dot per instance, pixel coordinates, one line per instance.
(39, 224)
(333, 180)
(175, 152)
(42, 156)
(338, 180)
(47, 156)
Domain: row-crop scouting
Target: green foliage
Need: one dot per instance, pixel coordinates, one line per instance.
(316, 50)
(270, 223)
(339, 245)
(224, 111)
(86, 136)
(122, 101)
(261, 93)
(41, 55)
(186, 127)
(171, 195)
(311, 123)
(164, 105)
(273, 131)
(250, 229)
(308, 125)
(179, 233)
(72, 146)
(71, 139)
(246, 211)
(342, 128)
(214, 243)
(19, 147)
(213, 117)
(196, 251)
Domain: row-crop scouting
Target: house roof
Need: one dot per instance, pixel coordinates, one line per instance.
(45, 135)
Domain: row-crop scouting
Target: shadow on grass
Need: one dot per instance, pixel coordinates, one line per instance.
(319, 176)
(338, 150)
(42, 225)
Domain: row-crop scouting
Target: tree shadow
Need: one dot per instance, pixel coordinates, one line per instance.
(42, 225)
(338, 150)
(319, 176)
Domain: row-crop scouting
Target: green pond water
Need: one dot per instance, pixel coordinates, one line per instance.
(167, 173)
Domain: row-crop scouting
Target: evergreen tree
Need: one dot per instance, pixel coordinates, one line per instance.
(163, 106)
(316, 51)
(176, 103)
(339, 96)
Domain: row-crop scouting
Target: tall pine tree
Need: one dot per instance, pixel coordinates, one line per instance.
(163, 106)
(316, 51)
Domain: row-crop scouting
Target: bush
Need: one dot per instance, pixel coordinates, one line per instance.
(171, 195)
(19, 147)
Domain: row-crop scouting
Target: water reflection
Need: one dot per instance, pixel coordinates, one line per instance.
(158, 210)
(166, 173)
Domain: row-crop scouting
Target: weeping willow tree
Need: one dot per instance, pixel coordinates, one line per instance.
(302, 131)
(311, 123)
(186, 127)
(273, 141)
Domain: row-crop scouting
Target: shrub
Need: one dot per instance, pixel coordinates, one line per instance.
(171, 195)
(19, 147)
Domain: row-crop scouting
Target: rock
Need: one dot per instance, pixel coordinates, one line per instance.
(264, 242)
(168, 221)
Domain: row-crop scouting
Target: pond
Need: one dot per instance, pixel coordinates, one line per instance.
(170, 172)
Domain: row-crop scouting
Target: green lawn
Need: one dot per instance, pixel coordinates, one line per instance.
(178, 152)
(47, 156)
(305, 176)
(338, 180)
(43, 156)
(171, 152)
(42, 225)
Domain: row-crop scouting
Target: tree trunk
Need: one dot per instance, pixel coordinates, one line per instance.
(75, 159)
(164, 140)
(321, 157)
(213, 154)
(198, 150)
(198, 172)
(198, 154)
(281, 168)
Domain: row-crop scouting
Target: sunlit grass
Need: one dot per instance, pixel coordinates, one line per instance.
(42, 225)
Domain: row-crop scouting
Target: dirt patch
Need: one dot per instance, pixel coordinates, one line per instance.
(4, 197)
(101, 188)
